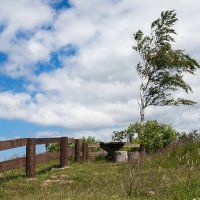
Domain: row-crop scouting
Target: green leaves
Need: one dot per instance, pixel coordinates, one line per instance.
(162, 68)
(152, 134)
(161, 28)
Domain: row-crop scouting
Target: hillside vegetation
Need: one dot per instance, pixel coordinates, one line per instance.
(171, 174)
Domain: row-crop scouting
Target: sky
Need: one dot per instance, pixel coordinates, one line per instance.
(68, 67)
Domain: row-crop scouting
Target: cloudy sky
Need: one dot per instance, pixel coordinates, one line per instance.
(68, 68)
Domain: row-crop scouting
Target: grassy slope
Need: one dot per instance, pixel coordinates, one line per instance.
(174, 174)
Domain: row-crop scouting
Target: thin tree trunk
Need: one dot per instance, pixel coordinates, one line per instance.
(142, 103)
(142, 119)
(142, 116)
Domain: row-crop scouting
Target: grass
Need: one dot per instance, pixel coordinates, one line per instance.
(172, 174)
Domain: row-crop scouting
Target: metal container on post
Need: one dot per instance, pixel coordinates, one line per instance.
(113, 151)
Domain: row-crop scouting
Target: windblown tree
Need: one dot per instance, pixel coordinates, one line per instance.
(162, 68)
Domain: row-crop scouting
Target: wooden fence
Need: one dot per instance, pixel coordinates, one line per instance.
(29, 162)
(31, 158)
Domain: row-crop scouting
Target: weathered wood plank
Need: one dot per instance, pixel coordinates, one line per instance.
(77, 150)
(10, 144)
(85, 151)
(132, 145)
(21, 162)
(30, 158)
(126, 145)
(64, 152)
(12, 164)
(93, 145)
(47, 156)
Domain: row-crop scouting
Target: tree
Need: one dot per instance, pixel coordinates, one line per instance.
(162, 68)
(152, 134)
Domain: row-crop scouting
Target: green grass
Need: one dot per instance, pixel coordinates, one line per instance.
(173, 174)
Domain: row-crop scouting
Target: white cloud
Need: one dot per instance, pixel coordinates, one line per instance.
(49, 134)
(37, 50)
(22, 15)
(99, 134)
(98, 87)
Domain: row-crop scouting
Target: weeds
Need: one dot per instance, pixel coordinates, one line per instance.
(169, 174)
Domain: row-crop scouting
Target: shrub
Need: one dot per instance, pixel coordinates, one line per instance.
(189, 137)
(152, 134)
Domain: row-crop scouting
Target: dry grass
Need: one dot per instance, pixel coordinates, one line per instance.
(173, 174)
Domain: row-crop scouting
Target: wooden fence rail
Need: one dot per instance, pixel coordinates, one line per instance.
(126, 145)
(21, 162)
(10, 144)
(29, 162)
(31, 158)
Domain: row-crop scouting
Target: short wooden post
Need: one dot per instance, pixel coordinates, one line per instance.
(64, 152)
(85, 151)
(120, 156)
(133, 156)
(142, 149)
(77, 150)
(30, 158)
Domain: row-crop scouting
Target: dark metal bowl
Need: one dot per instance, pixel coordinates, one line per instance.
(111, 146)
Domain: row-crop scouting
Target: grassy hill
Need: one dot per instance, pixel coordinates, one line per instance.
(172, 174)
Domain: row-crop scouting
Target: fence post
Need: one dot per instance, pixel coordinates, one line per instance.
(30, 158)
(63, 152)
(77, 150)
(85, 151)
(142, 149)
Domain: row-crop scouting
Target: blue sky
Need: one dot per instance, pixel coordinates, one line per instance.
(60, 5)
(68, 68)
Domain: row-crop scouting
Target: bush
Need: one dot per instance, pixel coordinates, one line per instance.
(56, 147)
(89, 140)
(152, 134)
(52, 147)
(192, 136)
